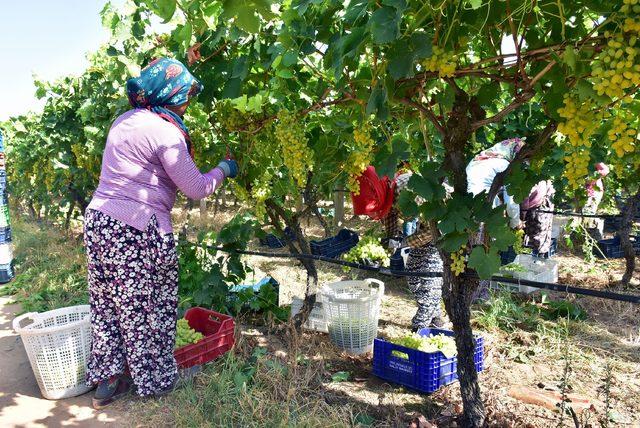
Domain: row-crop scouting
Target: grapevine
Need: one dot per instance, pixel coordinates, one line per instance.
(442, 62)
(360, 156)
(458, 262)
(185, 335)
(297, 156)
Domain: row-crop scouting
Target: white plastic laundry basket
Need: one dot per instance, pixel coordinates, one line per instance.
(352, 309)
(58, 344)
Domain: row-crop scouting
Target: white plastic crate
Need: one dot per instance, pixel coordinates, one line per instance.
(558, 225)
(537, 269)
(316, 319)
(352, 310)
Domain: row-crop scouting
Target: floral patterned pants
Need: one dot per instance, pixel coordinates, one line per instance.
(133, 292)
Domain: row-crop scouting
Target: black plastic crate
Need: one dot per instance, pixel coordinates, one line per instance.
(336, 245)
(507, 256)
(272, 241)
(612, 249)
(552, 250)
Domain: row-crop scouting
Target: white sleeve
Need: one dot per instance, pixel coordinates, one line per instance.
(513, 210)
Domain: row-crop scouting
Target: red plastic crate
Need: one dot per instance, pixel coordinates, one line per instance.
(218, 331)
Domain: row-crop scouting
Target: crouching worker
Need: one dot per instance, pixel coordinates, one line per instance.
(377, 199)
(538, 219)
(132, 257)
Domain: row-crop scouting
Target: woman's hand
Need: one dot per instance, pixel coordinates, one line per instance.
(229, 167)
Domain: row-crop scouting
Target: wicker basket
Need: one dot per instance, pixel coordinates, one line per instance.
(58, 344)
(351, 310)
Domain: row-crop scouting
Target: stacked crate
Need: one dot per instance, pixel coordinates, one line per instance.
(6, 253)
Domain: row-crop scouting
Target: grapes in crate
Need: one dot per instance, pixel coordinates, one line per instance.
(369, 251)
(428, 344)
(185, 335)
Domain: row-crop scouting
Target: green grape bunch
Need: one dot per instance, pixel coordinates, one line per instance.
(230, 118)
(185, 335)
(297, 155)
(458, 262)
(360, 156)
(518, 245)
(261, 191)
(441, 61)
(622, 136)
(617, 69)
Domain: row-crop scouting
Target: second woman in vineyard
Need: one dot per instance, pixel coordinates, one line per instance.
(132, 258)
(377, 198)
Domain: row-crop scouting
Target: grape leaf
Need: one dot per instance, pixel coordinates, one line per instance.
(400, 60)
(486, 264)
(384, 25)
(407, 204)
(377, 103)
(453, 241)
(163, 8)
(248, 21)
(341, 376)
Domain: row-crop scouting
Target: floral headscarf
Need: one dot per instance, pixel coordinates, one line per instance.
(507, 149)
(164, 82)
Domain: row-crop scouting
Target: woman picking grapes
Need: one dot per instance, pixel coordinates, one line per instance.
(484, 167)
(132, 258)
(423, 255)
(481, 172)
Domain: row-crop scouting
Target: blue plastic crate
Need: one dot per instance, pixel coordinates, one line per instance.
(335, 246)
(424, 372)
(272, 241)
(552, 250)
(5, 235)
(6, 273)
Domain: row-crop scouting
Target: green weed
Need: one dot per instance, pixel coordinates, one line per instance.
(50, 268)
(252, 390)
(504, 311)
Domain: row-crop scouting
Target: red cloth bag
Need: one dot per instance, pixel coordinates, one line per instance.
(376, 195)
